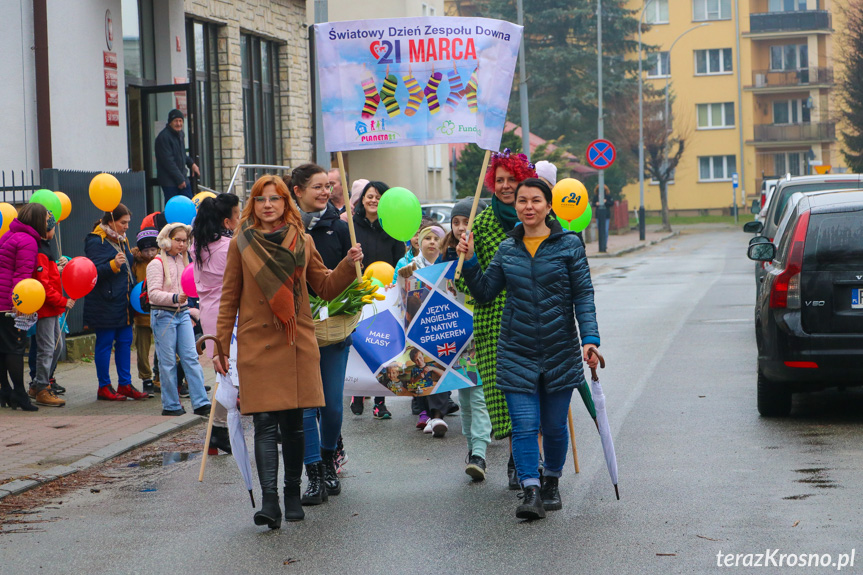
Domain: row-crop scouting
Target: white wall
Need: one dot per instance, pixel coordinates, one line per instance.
(18, 138)
(76, 39)
(169, 22)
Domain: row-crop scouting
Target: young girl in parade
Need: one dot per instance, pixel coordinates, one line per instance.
(144, 252)
(414, 248)
(48, 328)
(270, 261)
(548, 289)
(214, 226)
(171, 321)
(475, 421)
(322, 426)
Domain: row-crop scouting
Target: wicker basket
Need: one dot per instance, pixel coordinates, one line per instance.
(335, 329)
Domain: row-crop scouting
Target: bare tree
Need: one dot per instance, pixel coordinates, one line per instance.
(664, 144)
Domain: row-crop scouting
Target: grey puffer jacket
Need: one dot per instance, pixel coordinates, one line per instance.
(545, 295)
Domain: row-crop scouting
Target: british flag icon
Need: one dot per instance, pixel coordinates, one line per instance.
(445, 349)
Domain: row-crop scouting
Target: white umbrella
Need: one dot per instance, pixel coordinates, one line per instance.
(226, 394)
(602, 423)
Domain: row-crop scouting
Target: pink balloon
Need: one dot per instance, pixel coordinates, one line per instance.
(187, 281)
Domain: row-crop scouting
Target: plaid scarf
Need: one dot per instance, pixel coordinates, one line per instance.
(277, 270)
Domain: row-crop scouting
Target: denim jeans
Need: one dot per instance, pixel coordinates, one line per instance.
(334, 362)
(529, 412)
(120, 339)
(475, 421)
(171, 191)
(174, 337)
(48, 352)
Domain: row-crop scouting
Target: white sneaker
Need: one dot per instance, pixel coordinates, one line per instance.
(439, 427)
(428, 428)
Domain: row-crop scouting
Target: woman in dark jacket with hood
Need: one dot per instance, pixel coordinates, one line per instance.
(378, 246)
(544, 270)
(107, 310)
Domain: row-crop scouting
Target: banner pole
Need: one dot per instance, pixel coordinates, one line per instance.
(473, 208)
(346, 191)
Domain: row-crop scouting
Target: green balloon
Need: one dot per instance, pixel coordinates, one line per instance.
(377, 282)
(563, 223)
(400, 213)
(48, 199)
(580, 223)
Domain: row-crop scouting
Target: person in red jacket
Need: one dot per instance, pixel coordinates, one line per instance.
(48, 327)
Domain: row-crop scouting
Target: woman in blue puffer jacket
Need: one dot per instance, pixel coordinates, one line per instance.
(547, 280)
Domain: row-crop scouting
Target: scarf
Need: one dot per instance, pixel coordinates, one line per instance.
(505, 214)
(311, 219)
(226, 233)
(112, 234)
(278, 271)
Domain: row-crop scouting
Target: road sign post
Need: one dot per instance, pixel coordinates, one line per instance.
(734, 184)
(601, 155)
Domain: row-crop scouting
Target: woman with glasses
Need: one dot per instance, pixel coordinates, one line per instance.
(270, 260)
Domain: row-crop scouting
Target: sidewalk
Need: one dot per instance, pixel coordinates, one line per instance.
(628, 242)
(37, 447)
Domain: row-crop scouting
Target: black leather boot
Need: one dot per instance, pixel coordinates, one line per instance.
(512, 475)
(219, 439)
(331, 478)
(531, 505)
(550, 494)
(293, 448)
(267, 462)
(315, 493)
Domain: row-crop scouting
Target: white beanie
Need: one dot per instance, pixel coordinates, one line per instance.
(547, 171)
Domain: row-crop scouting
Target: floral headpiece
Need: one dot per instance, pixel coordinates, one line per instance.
(516, 164)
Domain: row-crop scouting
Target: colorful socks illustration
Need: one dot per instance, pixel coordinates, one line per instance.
(431, 92)
(455, 91)
(416, 95)
(372, 98)
(388, 91)
(471, 90)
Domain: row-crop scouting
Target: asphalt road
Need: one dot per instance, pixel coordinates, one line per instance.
(700, 472)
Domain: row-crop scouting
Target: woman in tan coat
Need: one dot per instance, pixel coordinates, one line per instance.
(269, 261)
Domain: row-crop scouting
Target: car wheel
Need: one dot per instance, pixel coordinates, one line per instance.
(773, 400)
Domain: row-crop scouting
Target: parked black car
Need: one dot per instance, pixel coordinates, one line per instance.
(809, 313)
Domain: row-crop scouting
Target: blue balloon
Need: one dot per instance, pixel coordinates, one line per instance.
(180, 209)
(135, 297)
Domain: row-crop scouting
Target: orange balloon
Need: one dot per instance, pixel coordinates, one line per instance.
(28, 296)
(105, 192)
(65, 205)
(383, 271)
(9, 213)
(569, 199)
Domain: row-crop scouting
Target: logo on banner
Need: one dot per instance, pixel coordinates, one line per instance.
(441, 328)
(379, 339)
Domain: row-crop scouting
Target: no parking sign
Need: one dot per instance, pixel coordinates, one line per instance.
(600, 154)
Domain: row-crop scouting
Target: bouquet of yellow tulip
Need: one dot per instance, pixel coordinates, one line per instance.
(350, 301)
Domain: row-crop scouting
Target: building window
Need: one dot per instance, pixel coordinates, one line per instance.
(715, 115)
(657, 12)
(261, 118)
(659, 65)
(434, 158)
(717, 61)
(716, 168)
(203, 73)
(711, 10)
(139, 51)
(427, 10)
(791, 112)
(789, 163)
(789, 57)
(786, 5)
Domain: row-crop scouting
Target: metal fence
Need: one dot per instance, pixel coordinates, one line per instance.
(14, 186)
(245, 175)
(72, 231)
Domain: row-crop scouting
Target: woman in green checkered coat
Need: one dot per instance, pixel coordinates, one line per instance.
(506, 170)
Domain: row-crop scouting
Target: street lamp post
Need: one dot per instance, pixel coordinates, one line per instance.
(641, 225)
(601, 212)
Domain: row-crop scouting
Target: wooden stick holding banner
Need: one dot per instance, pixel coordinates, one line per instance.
(572, 440)
(473, 208)
(224, 362)
(346, 191)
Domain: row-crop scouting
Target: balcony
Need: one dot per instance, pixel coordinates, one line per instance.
(777, 24)
(793, 134)
(790, 80)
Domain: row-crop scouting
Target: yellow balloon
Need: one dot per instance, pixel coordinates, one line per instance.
(199, 197)
(569, 199)
(28, 296)
(65, 204)
(105, 192)
(9, 213)
(383, 271)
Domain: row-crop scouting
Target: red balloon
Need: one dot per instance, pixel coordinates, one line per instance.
(79, 277)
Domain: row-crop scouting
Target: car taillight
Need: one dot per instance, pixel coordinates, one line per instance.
(763, 199)
(785, 292)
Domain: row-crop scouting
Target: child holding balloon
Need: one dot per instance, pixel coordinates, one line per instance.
(48, 328)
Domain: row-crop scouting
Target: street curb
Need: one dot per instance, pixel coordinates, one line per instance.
(101, 455)
(631, 249)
